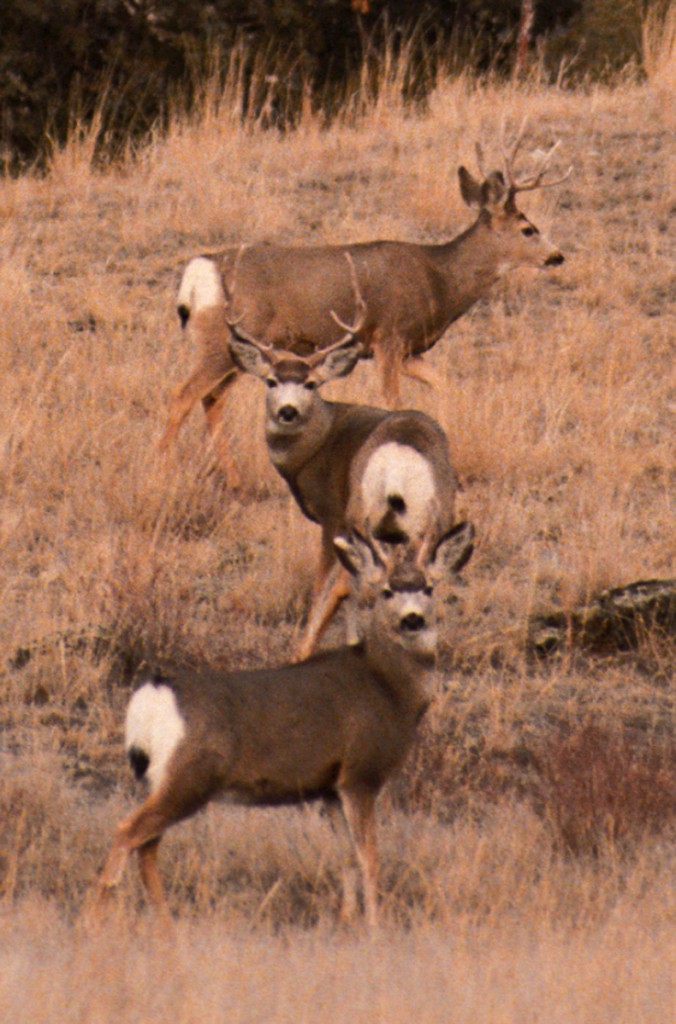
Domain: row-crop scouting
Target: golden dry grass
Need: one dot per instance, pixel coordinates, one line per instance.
(557, 397)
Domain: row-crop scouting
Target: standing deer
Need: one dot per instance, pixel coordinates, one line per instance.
(334, 727)
(413, 293)
(386, 474)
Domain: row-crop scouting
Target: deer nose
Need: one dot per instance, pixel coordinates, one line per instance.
(412, 623)
(555, 259)
(287, 413)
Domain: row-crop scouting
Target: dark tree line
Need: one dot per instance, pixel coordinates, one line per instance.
(57, 57)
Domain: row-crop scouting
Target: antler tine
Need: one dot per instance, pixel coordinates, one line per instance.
(234, 322)
(557, 181)
(535, 180)
(360, 308)
(509, 156)
(480, 159)
(242, 335)
(232, 287)
(423, 553)
(384, 553)
(240, 252)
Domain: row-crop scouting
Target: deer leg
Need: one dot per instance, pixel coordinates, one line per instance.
(359, 809)
(215, 370)
(327, 564)
(213, 404)
(142, 831)
(388, 354)
(352, 631)
(145, 825)
(348, 903)
(331, 587)
(150, 876)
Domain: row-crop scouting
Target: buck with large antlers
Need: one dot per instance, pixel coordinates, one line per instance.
(386, 474)
(413, 293)
(334, 727)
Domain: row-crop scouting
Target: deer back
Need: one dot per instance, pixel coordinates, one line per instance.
(322, 483)
(285, 294)
(402, 484)
(278, 735)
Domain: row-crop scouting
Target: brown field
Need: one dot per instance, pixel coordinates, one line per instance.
(528, 857)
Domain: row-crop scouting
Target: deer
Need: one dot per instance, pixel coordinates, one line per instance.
(332, 728)
(413, 293)
(387, 474)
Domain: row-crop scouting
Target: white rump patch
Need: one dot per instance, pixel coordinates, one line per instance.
(201, 285)
(397, 470)
(155, 726)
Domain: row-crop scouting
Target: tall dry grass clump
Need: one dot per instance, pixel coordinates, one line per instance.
(659, 55)
(659, 45)
(528, 845)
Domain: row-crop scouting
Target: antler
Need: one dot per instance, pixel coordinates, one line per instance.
(480, 159)
(351, 330)
(535, 181)
(360, 305)
(242, 335)
(234, 322)
(422, 555)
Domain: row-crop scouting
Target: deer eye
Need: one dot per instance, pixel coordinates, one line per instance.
(387, 593)
(529, 231)
(310, 385)
(428, 591)
(271, 382)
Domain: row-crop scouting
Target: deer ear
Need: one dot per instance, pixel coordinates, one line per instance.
(248, 358)
(470, 189)
(339, 361)
(493, 190)
(357, 555)
(452, 551)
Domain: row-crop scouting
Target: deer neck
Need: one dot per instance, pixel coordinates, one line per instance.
(291, 451)
(410, 678)
(470, 264)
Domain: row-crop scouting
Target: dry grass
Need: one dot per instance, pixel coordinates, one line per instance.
(526, 847)
(481, 920)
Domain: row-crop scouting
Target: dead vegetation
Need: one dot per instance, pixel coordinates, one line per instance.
(528, 844)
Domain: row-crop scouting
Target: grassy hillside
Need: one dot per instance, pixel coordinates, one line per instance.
(528, 868)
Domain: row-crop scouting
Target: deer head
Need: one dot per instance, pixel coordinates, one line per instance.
(293, 381)
(398, 589)
(519, 240)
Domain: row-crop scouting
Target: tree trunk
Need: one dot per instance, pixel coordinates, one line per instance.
(523, 41)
